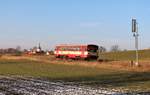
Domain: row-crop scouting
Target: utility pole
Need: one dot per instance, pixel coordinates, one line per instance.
(135, 34)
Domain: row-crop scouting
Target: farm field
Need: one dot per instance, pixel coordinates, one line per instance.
(125, 55)
(110, 77)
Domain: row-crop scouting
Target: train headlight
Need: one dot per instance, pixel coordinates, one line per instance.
(86, 53)
(55, 52)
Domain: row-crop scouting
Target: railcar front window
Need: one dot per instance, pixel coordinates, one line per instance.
(92, 50)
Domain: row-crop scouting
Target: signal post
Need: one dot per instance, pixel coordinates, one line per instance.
(135, 34)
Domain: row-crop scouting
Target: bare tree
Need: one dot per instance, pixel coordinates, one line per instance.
(115, 48)
(34, 48)
(102, 49)
(18, 51)
(18, 48)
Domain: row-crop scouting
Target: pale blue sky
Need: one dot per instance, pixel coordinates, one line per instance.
(51, 22)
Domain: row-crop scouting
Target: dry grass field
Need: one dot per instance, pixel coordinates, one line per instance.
(111, 74)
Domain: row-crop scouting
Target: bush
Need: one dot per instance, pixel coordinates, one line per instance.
(18, 53)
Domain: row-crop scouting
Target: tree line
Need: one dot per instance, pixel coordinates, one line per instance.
(114, 48)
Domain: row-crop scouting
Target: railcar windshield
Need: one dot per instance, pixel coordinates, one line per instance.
(92, 48)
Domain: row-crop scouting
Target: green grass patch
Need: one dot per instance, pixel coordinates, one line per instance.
(52, 71)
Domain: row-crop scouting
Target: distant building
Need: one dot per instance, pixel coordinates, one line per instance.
(36, 50)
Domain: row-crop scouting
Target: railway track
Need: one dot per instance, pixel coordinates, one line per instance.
(31, 86)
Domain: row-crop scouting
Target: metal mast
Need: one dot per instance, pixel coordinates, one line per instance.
(135, 34)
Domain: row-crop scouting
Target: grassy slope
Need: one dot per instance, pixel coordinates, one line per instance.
(89, 75)
(125, 55)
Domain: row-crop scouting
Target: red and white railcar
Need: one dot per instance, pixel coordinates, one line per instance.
(76, 51)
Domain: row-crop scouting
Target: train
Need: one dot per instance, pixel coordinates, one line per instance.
(76, 51)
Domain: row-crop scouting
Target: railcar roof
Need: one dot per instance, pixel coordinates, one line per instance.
(75, 45)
